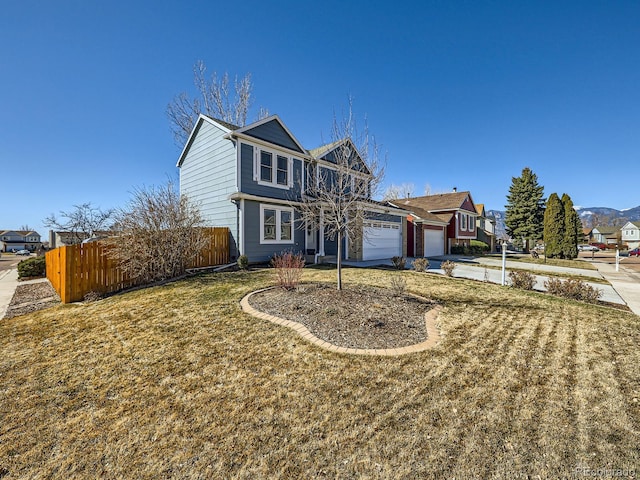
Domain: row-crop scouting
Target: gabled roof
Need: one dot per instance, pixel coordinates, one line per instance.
(273, 118)
(607, 230)
(23, 233)
(480, 209)
(442, 202)
(635, 224)
(326, 153)
(425, 216)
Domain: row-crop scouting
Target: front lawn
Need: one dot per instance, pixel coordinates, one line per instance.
(177, 382)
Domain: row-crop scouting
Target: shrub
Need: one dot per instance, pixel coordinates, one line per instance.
(574, 289)
(399, 262)
(457, 250)
(398, 285)
(243, 262)
(288, 267)
(478, 248)
(420, 264)
(523, 280)
(448, 268)
(32, 267)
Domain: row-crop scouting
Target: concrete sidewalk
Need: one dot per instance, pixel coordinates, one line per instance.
(625, 282)
(8, 285)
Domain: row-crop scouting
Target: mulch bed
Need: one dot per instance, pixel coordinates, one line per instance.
(356, 317)
(31, 297)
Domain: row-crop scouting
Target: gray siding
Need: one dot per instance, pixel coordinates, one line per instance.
(273, 132)
(257, 252)
(383, 217)
(251, 186)
(207, 177)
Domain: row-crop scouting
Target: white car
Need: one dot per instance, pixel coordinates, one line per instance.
(588, 248)
(23, 252)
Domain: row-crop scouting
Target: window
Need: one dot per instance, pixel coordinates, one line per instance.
(272, 169)
(266, 166)
(269, 224)
(471, 223)
(276, 224)
(283, 170)
(463, 221)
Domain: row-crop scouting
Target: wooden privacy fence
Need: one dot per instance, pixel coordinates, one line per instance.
(76, 270)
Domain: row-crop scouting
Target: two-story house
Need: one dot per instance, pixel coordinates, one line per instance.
(440, 221)
(631, 234)
(252, 179)
(486, 229)
(14, 240)
(606, 235)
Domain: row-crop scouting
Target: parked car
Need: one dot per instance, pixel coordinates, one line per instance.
(635, 252)
(600, 246)
(588, 248)
(23, 252)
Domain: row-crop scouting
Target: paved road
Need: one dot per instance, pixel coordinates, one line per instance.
(8, 285)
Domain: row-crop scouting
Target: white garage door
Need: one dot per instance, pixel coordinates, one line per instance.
(381, 240)
(433, 243)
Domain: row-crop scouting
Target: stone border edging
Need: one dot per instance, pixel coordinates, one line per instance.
(433, 336)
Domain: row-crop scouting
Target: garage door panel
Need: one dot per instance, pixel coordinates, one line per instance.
(381, 241)
(433, 243)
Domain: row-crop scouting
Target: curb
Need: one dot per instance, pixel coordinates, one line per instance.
(433, 336)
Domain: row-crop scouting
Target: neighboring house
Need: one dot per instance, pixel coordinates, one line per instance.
(14, 240)
(486, 227)
(631, 234)
(250, 179)
(587, 235)
(606, 235)
(440, 221)
(63, 239)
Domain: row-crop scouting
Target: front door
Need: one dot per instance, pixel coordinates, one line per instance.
(311, 240)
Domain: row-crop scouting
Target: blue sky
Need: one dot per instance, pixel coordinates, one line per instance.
(458, 93)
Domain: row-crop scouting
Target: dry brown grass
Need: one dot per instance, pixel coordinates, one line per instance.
(177, 382)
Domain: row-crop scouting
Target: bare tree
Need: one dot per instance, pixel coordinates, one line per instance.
(26, 228)
(215, 98)
(83, 222)
(397, 192)
(157, 234)
(341, 194)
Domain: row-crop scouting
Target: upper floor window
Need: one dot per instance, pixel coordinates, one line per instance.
(463, 221)
(361, 187)
(273, 169)
(471, 223)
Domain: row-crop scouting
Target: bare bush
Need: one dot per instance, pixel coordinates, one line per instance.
(420, 264)
(574, 289)
(158, 236)
(399, 262)
(523, 280)
(398, 285)
(288, 267)
(448, 266)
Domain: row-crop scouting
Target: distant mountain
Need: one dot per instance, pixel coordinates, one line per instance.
(591, 217)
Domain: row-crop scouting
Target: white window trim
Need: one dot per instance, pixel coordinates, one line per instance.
(278, 209)
(274, 168)
(463, 222)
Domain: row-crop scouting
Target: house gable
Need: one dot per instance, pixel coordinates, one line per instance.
(331, 153)
(273, 131)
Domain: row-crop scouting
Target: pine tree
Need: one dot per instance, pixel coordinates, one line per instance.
(572, 228)
(553, 227)
(524, 217)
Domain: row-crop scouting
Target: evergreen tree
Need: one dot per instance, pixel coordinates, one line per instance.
(524, 217)
(553, 227)
(572, 229)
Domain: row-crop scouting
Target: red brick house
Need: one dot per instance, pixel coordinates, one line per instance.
(438, 222)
